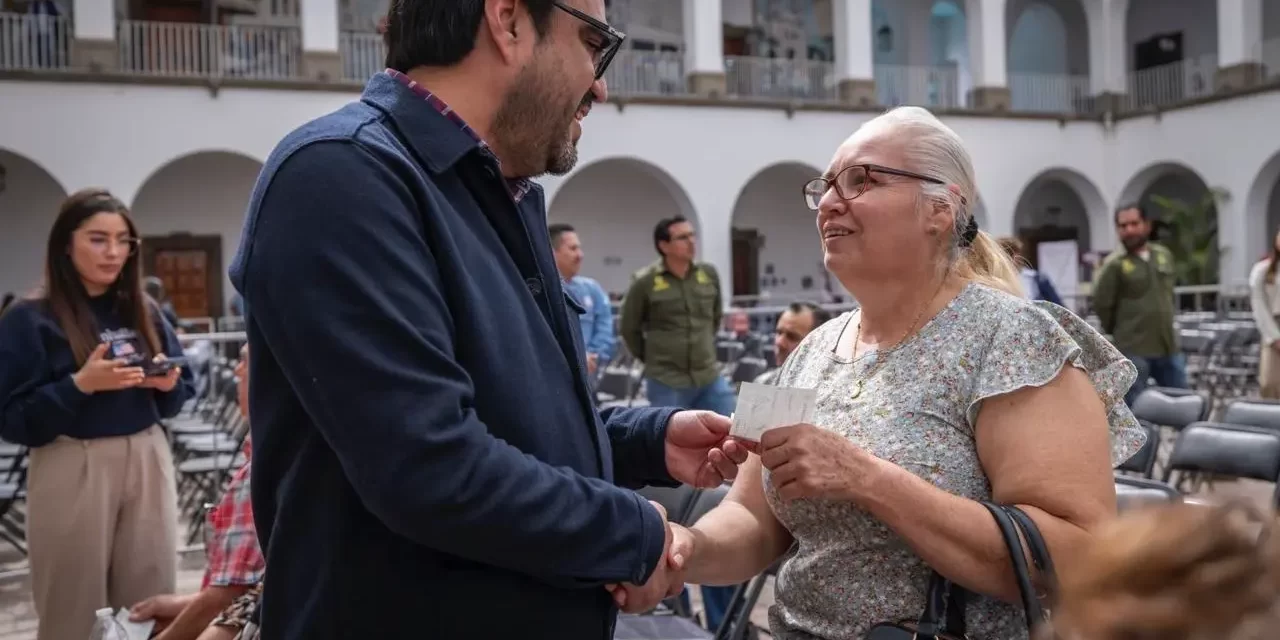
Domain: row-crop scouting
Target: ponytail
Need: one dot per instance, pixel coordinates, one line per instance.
(986, 262)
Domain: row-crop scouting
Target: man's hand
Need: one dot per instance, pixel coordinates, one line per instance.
(593, 361)
(699, 450)
(666, 580)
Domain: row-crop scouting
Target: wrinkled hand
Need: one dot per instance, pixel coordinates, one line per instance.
(667, 579)
(164, 383)
(699, 450)
(810, 462)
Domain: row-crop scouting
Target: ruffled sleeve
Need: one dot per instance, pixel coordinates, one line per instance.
(1030, 348)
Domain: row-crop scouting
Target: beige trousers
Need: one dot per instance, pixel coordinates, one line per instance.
(1269, 373)
(102, 527)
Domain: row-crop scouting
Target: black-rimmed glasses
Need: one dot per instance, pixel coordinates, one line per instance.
(852, 182)
(611, 39)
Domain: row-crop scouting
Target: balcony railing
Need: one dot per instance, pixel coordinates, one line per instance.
(176, 49)
(1171, 83)
(1049, 93)
(363, 54)
(647, 73)
(778, 79)
(34, 42)
(935, 87)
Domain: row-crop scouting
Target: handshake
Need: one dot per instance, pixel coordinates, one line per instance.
(666, 580)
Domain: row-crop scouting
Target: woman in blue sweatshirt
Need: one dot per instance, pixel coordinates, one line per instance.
(83, 383)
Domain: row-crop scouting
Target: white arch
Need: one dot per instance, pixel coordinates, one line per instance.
(1095, 206)
(784, 254)
(1262, 199)
(203, 194)
(29, 200)
(614, 203)
(1137, 186)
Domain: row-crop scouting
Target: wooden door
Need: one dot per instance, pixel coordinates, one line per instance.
(746, 262)
(191, 269)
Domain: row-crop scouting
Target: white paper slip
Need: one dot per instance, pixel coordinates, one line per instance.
(136, 630)
(762, 407)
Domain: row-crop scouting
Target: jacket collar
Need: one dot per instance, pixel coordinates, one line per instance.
(436, 139)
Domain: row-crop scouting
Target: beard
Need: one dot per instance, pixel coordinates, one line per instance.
(534, 125)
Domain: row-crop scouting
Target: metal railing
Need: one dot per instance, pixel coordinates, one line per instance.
(938, 86)
(777, 79)
(363, 54)
(1049, 93)
(1171, 83)
(647, 73)
(34, 42)
(176, 49)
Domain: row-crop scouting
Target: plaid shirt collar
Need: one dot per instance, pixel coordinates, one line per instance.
(518, 187)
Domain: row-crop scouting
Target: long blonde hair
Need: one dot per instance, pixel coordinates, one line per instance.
(933, 149)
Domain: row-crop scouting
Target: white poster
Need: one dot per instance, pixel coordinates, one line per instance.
(1060, 263)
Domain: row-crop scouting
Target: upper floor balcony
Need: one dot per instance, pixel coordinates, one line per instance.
(1059, 58)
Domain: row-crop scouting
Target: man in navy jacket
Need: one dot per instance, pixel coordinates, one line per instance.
(428, 462)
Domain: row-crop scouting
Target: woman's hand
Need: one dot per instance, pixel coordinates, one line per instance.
(810, 462)
(164, 383)
(100, 374)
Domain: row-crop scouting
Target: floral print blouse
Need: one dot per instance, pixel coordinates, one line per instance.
(918, 411)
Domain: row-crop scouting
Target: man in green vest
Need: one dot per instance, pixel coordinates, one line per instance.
(670, 317)
(1133, 296)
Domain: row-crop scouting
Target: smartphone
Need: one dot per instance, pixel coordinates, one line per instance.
(163, 367)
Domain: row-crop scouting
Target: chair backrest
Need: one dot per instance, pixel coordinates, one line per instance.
(1145, 459)
(749, 369)
(706, 501)
(1252, 412)
(1174, 408)
(1229, 450)
(1132, 493)
(616, 384)
(676, 500)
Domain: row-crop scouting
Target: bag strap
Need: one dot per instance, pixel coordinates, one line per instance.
(942, 600)
(1039, 550)
(1021, 573)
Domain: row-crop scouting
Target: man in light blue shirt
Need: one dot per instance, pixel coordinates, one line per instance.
(597, 323)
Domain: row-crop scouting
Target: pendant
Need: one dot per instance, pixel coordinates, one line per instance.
(857, 390)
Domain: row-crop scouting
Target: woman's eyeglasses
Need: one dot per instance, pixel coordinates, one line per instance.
(103, 243)
(852, 181)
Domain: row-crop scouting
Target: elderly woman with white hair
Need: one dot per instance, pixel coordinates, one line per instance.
(943, 389)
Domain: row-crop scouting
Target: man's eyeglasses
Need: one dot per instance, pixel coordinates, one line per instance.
(610, 38)
(852, 182)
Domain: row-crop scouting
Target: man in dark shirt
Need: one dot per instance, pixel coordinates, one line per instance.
(426, 448)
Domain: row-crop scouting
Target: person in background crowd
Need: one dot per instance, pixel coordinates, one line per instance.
(428, 458)
(597, 315)
(8, 300)
(155, 288)
(1133, 297)
(670, 317)
(794, 324)
(1035, 285)
(234, 559)
(1264, 296)
(82, 384)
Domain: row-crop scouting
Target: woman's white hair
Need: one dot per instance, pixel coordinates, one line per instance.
(931, 148)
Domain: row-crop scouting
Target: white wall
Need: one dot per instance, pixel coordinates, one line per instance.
(119, 135)
(201, 194)
(28, 206)
(1053, 203)
(772, 205)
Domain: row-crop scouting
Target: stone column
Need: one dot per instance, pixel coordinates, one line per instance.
(93, 39)
(1108, 53)
(987, 52)
(1239, 44)
(321, 61)
(704, 48)
(855, 72)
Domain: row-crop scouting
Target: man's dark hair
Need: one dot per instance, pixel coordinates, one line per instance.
(556, 230)
(1142, 211)
(820, 315)
(662, 231)
(440, 33)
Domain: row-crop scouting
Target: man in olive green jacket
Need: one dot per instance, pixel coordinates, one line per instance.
(1133, 297)
(669, 321)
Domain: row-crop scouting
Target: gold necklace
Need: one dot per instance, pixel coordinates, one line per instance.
(881, 356)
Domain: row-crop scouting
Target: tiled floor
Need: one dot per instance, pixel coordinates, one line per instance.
(18, 618)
